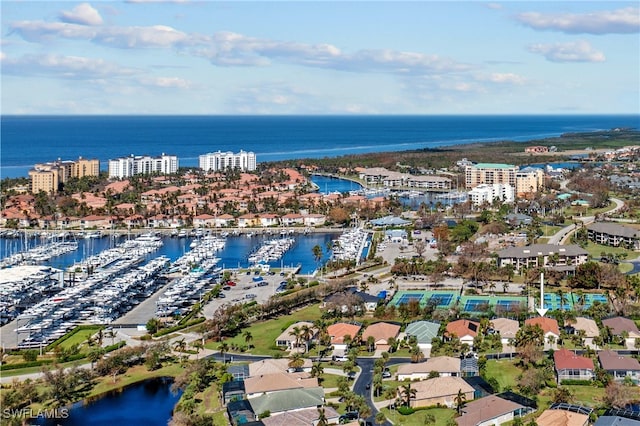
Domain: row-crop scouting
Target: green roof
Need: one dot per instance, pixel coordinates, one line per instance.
(286, 400)
(493, 166)
(424, 331)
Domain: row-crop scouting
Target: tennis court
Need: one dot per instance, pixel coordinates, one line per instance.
(476, 305)
(405, 298)
(552, 301)
(440, 299)
(590, 298)
(479, 304)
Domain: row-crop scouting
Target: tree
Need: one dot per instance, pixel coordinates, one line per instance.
(153, 325)
(380, 418)
(223, 348)
(296, 361)
(562, 394)
(317, 370)
(460, 400)
(416, 354)
(322, 418)
(407, 392)
(248, 337)
(371, 343)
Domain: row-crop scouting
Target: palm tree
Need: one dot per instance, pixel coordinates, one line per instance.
(322, 418)
(371, 343)
(460, 400)
(248, 337)
(296, 361)
(380, 418)
(223, 348)
(180, 345)
(306, 333)
(197, 344)
(416, 354)
(296, 332)
(317, 370)
(407, 393)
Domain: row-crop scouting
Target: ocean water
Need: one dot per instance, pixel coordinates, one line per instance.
(26, 140)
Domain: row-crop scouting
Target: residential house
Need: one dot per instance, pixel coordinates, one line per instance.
(615, 417)
(224, 220)
(274, 365)
(440, 391)
(204, 221)
(304, 417)
(566, 257)
(564, 415)
(287, 400)
(550, 329)
(381, 332)
(570, 366)
(339, 331)
(256, 386)
(464, 329)
(288, 339)
(269, 219)
(240, 412)
(292, 219)
(621, 326)
(507, 329)
(248, 220)
(424, 332)
(443, 365)
(314, 219)
(490, 411)
(588, 328)
(620, 367)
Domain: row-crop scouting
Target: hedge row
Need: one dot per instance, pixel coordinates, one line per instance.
(29, 364)
(170, 330)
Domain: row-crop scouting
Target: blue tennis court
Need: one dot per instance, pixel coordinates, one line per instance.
(476, 305)
(508, 305)
(442, 299)
(408, 297)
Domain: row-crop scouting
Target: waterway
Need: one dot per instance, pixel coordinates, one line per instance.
(148, 403)
(234, 255)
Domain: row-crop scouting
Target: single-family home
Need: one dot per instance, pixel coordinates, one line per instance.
(381, 332)
(588, 328)
(620, 367)
(490, 411)
(561, 417)
(424, 332)
(570, 366)
(294, 335)
(550, 329)
(265, 383)
(304, 417)
(507, 329)
(314, 219)
(287, 400)
(339, 331)
(443, 365)
(440, 391)
(274, 365)
(204, 220)
(621, 326)
(465, 330)
(615, 417)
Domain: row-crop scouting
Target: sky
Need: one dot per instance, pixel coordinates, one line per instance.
(319, 57)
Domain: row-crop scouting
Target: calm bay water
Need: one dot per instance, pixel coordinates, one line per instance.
(149, 403)
(27, 140)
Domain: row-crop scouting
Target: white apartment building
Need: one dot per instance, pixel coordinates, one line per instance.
(217, 161)
(136, 165)
(488, 193)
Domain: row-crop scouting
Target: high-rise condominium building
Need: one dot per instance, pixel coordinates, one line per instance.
(490, 173)
(142, 165)
(216, 161)
(48, 177)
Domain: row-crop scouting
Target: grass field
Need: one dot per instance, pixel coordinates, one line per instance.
(442, 417)
(596, 250)
(264, 333)
(504, 371)
(133, 375)
(79, 337)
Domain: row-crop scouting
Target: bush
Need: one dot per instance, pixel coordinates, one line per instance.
(5, 367)
(405, 411)
(577, 382)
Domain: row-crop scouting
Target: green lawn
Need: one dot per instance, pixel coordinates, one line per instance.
(79, 337)
(265, 332)
(504, 371)
(329, 380)
(442, 416)
(596, 249)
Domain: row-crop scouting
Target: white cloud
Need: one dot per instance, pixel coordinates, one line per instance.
(166, 82)
(502, 78)
(68, 67)
(620, 21)
(82, 14)
(495, 6)
(578, 51)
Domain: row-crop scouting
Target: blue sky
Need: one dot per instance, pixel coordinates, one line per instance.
(320, 57)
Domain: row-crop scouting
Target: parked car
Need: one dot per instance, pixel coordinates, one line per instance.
(386, 374)
(348, 417)
(231, 283)
(263, 284)
(226, 288)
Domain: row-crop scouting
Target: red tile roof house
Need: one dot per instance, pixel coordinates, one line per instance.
(464, 329)
(570, 366)
(381, 332)
(338, 331)
(550, 329)
(490, 411)
(619, 366)
(439, 391)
